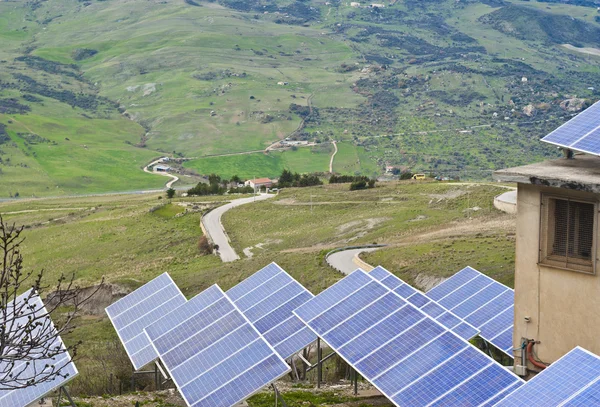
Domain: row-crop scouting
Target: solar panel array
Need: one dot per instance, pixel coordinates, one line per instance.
(481, 301)
(573, 380)
(132, 313)
(40, 368)
(213, 353)
(582, 133)
(411, 358)
(267, 299)
(428, 306)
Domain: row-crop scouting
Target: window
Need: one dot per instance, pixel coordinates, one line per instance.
(568, 234)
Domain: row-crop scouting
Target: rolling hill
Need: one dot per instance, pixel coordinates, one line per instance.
(91, 91)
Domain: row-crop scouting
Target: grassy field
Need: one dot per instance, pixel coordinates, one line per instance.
(433, 230)
(248, 166)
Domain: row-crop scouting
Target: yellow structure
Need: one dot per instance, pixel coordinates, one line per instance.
(557, 287)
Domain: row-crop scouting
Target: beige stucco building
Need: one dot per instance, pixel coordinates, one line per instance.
(557, 286)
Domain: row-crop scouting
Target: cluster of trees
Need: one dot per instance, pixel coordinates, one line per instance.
(215, 186)
(81, 100)
(12, 106)
(289, 179)
(356, 181)
(218, 186)
(343, 179)
(362, 184)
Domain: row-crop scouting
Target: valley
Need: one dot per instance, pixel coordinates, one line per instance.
(91, 92)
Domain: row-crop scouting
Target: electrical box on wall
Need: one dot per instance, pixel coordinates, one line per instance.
(521, 370)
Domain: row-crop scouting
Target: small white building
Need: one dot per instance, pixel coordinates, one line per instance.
(259, 183)
(524, 79)
(354, 4)
(377, 5)
(162, 168)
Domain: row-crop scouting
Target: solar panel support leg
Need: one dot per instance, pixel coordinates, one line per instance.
(278, 397)
(156, 380)
(295, 368)
(304, 365)
(355, 382)
(319, 366)
(61, 390)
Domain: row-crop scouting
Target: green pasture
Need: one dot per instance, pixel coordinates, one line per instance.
(258, 165)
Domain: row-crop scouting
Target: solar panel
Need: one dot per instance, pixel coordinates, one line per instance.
(427, 305)
(132, 313)
(267, 298)
(40, 367)
(581, 133)
(573, 380)
(481, 301)
(213, 353)
(411, 358)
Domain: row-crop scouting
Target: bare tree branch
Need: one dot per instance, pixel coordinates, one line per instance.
(31, 348)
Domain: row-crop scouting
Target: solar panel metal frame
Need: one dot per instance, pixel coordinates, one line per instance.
(467, 327)
(518, 381)
(592, 133)
(26, 400)
(267, 275)
(247, 321)
(508, 311)
(144, 359)
(553, 373)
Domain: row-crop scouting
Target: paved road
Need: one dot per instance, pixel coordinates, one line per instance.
(344, 261)
(213, 226)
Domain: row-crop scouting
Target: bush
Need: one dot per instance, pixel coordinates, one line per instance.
(358, 185)
(362, 184)
(205, 247)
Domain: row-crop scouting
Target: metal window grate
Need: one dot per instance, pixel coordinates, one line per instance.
(573, 229)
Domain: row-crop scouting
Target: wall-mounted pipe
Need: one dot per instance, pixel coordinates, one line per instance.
(531, 358)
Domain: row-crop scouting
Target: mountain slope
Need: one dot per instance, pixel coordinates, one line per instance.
(425, 85)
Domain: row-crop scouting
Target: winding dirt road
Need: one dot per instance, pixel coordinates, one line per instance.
(332, 156)
(169, 184)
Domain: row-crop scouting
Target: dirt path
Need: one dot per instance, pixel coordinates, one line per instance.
(589, 51)
(211, 223)
(333, 156)
(169, 184)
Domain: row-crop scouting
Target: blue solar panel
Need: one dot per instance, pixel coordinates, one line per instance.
(215, 356)
(40, 367)
(581, 133)
(426, 304)
(267, 298)
(482, 302)
(132, 313)
(410, 357)
(573, 380)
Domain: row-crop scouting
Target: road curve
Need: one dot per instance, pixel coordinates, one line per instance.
(169, 184)
(215, 230)
(345, 261)
(332, 156)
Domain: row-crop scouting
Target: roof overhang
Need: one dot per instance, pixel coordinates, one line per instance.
(581, 173)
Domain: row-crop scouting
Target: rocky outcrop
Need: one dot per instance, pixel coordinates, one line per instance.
(573, 104)
(529, 110)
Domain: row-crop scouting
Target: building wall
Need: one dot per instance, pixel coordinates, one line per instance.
(564, 306)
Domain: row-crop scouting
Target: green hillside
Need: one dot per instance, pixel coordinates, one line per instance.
(90, 91)
(432, 230)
